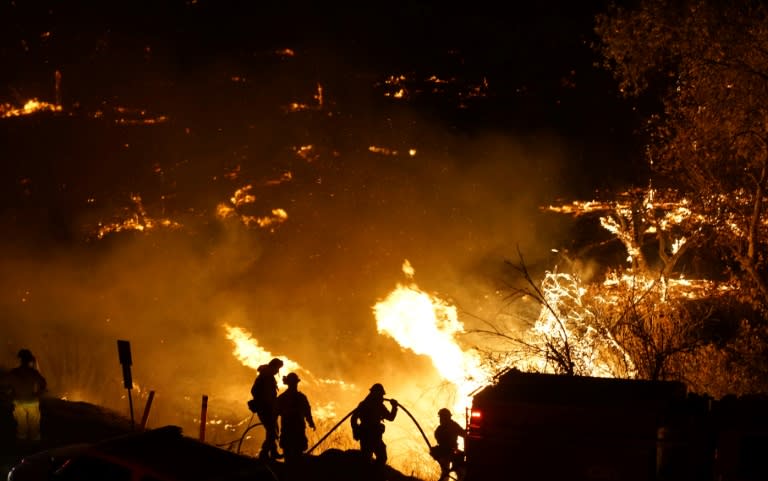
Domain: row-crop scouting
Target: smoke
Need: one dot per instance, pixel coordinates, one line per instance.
(456, 209)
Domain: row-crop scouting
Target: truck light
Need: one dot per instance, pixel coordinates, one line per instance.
(475, 419)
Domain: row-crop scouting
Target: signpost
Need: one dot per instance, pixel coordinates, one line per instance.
(124, 353)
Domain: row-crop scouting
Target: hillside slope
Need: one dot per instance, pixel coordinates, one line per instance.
(67, 422)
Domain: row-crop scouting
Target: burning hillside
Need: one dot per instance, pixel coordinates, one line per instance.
(257, 204)
(188, 239)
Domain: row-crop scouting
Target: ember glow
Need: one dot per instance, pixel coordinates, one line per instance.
(243, 197)
(404, 88)
(30, 107)
(382, 150)
(128, 116)
(582, 321)
(387, 151)
(137, 219)
(306, 152)
(317, 103)
(659, 213)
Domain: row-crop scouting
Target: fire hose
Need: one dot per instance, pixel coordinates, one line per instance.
(351, 412)
(246, 432)
(335, 427)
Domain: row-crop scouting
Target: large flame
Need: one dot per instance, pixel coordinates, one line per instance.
(250, 353)
(428, 325)
(568, 319)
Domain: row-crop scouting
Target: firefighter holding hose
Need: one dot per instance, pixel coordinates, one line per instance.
(447, 452)
(368, 427)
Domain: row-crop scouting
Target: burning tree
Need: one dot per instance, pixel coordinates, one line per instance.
(642, 318)
(690, 300)
(707, 63)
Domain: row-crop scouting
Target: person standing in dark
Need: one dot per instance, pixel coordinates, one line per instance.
(295, 414)
(447, 452)
(26, 386)
(367, 424)
(264, 392)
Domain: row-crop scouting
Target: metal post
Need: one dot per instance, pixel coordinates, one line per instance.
(203, 415)
(130, 406)
(124, 354)
(147, 407)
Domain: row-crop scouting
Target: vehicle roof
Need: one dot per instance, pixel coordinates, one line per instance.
(521, 386)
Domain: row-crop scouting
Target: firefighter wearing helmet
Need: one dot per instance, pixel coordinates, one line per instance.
(295, 413)
(26, 386)
(264, 404)
(368, 426)
(446, 452)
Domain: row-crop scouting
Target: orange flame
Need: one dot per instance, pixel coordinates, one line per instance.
(243, 197)
(139, 220)
(32, 106)
(248, 351)
(428, 325)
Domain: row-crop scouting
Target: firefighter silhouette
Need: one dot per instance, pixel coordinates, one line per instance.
(26, 386)
(295, 414)
(447, 452)
(367, 424)
(264, 404)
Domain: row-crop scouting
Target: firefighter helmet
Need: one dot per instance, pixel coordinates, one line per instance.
(276, 363)
(377, 389)
(291, 379)
(25, 355)
(444, 412)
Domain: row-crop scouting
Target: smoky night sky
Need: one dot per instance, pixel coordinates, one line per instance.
(182, 103)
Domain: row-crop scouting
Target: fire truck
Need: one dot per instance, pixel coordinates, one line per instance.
(547, 427)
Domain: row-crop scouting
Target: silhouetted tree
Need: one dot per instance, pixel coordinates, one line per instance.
(707, 64)
(661, 315)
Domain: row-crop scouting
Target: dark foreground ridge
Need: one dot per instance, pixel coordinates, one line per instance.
(173, 455)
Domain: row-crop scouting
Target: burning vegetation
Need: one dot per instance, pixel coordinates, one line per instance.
(163, 272)
(30, 107)
(670, 284)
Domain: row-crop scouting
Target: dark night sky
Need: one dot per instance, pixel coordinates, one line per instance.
(536, 58)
